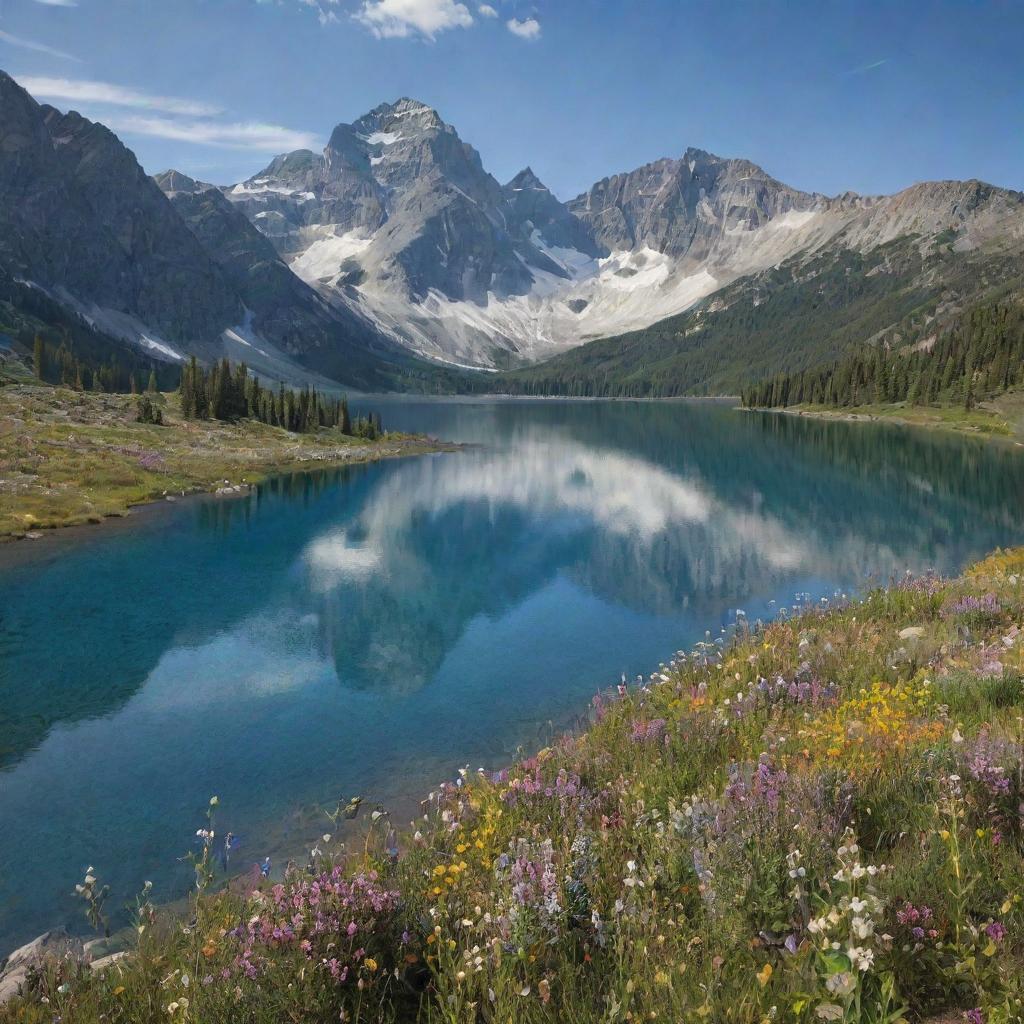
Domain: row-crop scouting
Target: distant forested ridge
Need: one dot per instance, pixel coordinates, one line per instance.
(979, 355)
(803, 314)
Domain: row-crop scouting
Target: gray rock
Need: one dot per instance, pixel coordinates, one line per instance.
(912, 633)
(56, 944)
(108, 961)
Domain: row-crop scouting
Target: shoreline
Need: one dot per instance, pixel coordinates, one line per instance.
(634, 749)
(16, 550)
(71, 459)
(1011, 436)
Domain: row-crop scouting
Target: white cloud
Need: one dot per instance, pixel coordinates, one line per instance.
(30, 44)
(84, 91)
(487, 11)
(58, 3)
(528, 29)
(247, 135)
(402, 18)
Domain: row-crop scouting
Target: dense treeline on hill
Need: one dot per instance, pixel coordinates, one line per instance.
(979, 356)
(226, 392)
(68, 349)
(71, 367)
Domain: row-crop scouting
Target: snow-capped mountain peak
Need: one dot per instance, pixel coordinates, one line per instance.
(399, 220)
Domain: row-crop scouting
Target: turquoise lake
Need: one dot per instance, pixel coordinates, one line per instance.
(369, 631)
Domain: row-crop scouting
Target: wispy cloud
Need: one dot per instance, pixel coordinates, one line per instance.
(85, 91)
(487, 11)
(245, 135)
(58, 3)
(397, 19)
(526, 29)
(31, 44)
(324, 8)
(868, 67)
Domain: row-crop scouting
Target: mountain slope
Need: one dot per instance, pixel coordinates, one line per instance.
(279, 306)
(82, 224)
(80, 219)
(396, 244)
(399, 219)
(807, 311)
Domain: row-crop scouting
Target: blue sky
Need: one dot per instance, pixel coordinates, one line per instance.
(826, 96)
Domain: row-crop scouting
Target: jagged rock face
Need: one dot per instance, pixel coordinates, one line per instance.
(280, 308)
(687, 208)
(398, 215)
(172, 182)
(402, 191)
(399, 219)
(175, 274)
(532, 207)
(978, 214)
(80, 219)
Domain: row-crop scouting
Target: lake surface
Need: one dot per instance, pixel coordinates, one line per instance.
(369, 631)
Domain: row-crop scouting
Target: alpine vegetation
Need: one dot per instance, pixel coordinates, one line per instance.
(226, 392)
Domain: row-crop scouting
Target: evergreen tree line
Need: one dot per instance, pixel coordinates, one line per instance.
(981, 355)
(62, 364)
(226, 392)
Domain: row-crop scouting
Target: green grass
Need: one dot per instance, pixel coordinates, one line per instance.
(999, 418)
(70, 457)
(752, 835)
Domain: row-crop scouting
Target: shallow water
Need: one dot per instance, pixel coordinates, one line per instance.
(370, 630)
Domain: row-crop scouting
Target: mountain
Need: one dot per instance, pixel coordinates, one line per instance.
(802, 314)
(86, 233)
(82, 221)
(399, 221)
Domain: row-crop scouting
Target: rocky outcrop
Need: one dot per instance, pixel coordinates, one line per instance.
(18, 967)
(279, 307)
(687, 208)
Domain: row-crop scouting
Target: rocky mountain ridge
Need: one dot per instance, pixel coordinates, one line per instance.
(399, 220)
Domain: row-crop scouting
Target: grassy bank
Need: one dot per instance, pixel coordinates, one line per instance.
(70, 457)
(1000, 417)
(820, 820)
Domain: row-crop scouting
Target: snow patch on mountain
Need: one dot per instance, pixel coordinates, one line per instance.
(322, 261)
(618, 294)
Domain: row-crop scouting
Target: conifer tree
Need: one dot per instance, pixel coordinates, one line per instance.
(39, 360)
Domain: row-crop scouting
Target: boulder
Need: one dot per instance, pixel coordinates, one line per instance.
(912, 633)
(54, 944)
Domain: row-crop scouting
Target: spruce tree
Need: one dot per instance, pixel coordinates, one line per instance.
(39, 360)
